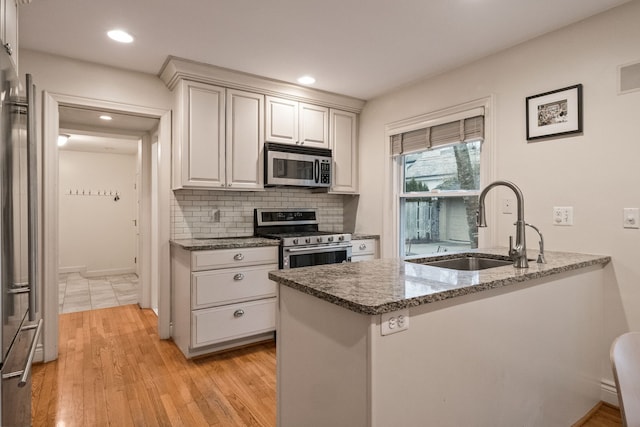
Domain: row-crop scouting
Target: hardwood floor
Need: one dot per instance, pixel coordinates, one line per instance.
(113, 370)
(602, 415)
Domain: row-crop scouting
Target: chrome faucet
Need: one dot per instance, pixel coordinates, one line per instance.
(518, 252)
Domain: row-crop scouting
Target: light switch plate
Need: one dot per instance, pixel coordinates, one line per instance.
(507, 206)
(631, 218)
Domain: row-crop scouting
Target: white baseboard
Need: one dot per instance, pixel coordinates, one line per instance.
(109, 272)
(609, 392)
(73, 269)
(39, 354)
(82, 269)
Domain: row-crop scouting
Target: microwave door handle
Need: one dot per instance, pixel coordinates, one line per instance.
(316, 170)
(32, 200)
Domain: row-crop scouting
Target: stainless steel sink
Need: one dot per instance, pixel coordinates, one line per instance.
(467, 262)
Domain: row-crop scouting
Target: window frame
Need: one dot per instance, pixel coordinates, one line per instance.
(392, 229)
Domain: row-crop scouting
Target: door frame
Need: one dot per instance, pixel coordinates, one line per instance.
(49, 212)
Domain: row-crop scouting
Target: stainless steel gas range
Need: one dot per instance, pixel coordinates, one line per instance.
(301, 243)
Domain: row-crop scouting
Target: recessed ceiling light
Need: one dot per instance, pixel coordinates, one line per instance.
(306, 80)
(120, 36)
(106, 117)
(62, 139)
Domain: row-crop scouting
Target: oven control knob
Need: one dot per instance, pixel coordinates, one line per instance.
(341, 238)
(295, 241)
(319, 240)
(330, 238)
(307, 240)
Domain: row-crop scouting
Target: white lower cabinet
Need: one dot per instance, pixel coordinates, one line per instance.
(239, 320)
(222, 298)
(364, 249)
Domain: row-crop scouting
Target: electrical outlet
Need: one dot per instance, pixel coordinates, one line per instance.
(563, 216)
(215, 215)
(396, 321)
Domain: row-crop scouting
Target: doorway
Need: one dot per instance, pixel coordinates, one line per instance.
(99, 170)
(55, 107)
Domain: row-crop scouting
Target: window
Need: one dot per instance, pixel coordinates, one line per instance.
(439, 182)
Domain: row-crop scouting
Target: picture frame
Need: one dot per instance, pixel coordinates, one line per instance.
(554, 114)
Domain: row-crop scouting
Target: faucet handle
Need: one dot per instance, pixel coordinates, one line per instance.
(510, 246)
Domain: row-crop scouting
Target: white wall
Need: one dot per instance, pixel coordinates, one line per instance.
(597, 173)
(84, 79)
(97, 234)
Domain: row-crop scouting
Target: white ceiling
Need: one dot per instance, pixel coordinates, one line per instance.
(361, 48)
(89, 133)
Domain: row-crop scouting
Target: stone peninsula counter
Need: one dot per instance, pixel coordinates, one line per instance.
(381, 286)
(495, 347)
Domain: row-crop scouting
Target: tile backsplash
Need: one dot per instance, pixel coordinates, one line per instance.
(212, 213)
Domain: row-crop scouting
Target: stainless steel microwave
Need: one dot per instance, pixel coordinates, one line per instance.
(295, 165)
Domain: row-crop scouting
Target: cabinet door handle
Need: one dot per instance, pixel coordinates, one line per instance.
(238, 257)
(238, 277)
(363, 247)
(238, 313)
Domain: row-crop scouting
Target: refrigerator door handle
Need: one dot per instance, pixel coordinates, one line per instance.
(32, 203)
(24, 373)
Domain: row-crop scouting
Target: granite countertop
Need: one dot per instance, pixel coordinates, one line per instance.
(385, 285)
(224, 243)
(362, 236)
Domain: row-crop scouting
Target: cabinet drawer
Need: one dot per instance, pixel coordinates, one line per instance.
(223, 258)
(231, 285)
(363, 247)
(213, 325)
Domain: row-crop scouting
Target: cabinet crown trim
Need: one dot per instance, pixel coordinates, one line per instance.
(175, 69)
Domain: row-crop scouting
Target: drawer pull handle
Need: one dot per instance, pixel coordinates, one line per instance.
(238, 257)
(238, 277)
(363, 247)
(238, 313)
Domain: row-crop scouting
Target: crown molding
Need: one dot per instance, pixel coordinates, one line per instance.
(175, 69)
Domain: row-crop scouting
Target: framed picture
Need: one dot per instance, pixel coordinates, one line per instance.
(555, 113)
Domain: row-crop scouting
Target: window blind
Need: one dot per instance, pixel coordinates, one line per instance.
(467, 129)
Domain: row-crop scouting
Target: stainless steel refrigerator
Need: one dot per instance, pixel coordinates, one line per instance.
(18, 245)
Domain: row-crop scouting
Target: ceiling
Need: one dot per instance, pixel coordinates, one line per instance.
(361, 48)
(87, 132)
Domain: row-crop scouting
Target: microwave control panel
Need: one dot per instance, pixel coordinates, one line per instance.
(325, 171)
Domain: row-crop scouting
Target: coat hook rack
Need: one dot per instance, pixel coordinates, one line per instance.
(103, 193)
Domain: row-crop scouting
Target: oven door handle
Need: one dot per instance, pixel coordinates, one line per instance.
(317, 248)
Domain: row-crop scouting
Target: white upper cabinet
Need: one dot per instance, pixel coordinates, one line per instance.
(222, 118)
(314, 126)
(199, 152)
(344, 147)
(220, 137)
(9, 28)
(292, 122)
(282, 120)
(245, 140)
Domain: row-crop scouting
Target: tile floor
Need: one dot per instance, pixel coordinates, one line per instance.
(78, 293)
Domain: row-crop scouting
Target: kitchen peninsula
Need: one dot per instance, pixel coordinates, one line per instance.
(388, 342)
